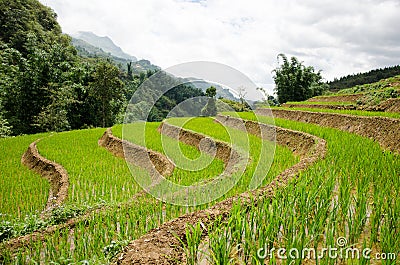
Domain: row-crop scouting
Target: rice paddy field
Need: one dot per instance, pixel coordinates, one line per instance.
(346, 201)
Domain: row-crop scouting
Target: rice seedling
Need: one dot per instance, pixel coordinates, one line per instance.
(330, 200)
(89, 166)
(191, 245)
(95, 175)
(183, 156)
(23, 192)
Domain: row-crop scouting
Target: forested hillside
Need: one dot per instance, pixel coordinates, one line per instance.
(364, 78)
(46, 86)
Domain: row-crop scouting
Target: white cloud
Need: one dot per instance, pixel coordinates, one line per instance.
(340, 37)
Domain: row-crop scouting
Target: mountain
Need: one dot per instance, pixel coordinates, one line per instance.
(90, 45)
(104, 43)
(93, 46)
(221, 92)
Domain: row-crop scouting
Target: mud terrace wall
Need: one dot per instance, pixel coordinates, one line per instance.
(386, 131)
(161, 246)
(390, 105)
(53, 172)
(339, 98)
(300, 143)
(222, 150)
(320, 106)
(136, 154)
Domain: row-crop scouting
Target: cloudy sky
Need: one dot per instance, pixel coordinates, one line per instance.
(339, 37)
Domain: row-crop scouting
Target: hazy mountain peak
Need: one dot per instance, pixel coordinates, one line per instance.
(104, 43)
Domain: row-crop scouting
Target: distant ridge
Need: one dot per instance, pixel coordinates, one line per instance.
(104, 43)
(364, 78)
(90, 45)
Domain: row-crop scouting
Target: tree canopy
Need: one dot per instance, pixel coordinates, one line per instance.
(295, 81)
(46, 86)
(210, 109)
(364, 78)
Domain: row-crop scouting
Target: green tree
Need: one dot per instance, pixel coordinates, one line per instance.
(107, 88)
(5, 128)
(210, 109)
(296, 82)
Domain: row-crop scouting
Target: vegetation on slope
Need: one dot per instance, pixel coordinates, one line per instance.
(363, 78)
(295, 81)
(46, 86)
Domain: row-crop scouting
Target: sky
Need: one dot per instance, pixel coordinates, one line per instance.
(339, 37)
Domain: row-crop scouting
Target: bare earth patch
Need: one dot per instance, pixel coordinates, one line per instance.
(53, 172)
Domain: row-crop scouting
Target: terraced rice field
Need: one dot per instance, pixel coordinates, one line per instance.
(343, 187)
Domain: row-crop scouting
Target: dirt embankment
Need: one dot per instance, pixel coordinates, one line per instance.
(53, 172)
(300, 143)
(385, 131)
(222, 150)
(338, 98)
(137, 155)
(58, 177)
(389, 105)
(161, 245)
(321, 106)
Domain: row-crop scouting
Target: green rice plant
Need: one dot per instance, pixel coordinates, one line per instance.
(182, 157)
(121, 218)
(192, 242)
(333, 198)
(95, 175)
(23, 191)
(220, 246)
(260, 150)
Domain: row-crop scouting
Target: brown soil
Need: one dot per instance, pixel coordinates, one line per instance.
(222, 150)
(390, 105)
(300, 143)
(339, 98)
(385, 131)
(137, 155)
(161, 245)
(53, 172)
(320, 106)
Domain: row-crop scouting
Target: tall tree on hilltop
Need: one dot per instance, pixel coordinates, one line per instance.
(296, 82)
(211, 108)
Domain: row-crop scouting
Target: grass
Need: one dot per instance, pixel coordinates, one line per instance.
(352, 193)
(349, 112)
(23, 192)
